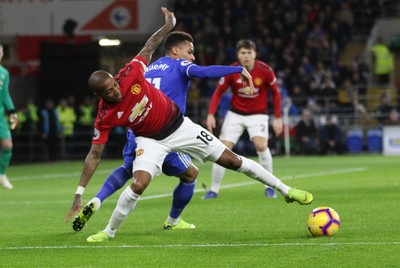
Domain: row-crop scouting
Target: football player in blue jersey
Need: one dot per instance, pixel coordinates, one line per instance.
(171, 74)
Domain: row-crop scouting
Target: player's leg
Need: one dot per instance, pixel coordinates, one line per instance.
(198, 142)
(231, 130)
(5, 153)
(254, 170)
(180, 165)
(150, 156)
(257, 126)
(113, 183)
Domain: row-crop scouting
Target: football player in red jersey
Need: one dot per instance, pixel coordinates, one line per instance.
(248, 111)
(129, 100)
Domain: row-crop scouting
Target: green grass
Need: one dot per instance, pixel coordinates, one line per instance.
(241, 228)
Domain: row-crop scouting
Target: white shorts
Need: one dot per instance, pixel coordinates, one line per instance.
(189, 138)
(235, 124)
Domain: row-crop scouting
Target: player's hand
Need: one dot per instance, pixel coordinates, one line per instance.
(211, 122)
(247, 80)
(169, 17)
(13, 121)
(76, 207)
(277, 125)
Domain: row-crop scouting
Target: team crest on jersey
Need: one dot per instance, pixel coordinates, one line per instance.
(96, 134)
(139, 152)
(185, 62)
(136, 89)
(257, 81)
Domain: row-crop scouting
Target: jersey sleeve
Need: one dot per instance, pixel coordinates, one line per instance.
(139, 63)
(275, 94)
(213, 71)
(222, 86)
(100, 134)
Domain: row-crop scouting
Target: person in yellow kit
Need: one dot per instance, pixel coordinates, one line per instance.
(67, 117)
(383, 61)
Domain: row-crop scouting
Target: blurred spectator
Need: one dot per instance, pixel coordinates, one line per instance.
(329, 92)
(307, 134)
(86, 114)
(394, 118)
(33, 115)
(331, 139)
(292, 109)
(67, 118)
(348, 98)
(50, 129)
(383, 110)
(383, 61)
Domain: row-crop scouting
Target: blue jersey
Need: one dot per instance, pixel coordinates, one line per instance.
(172, 76)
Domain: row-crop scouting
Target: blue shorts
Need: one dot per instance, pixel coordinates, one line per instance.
(174, 163)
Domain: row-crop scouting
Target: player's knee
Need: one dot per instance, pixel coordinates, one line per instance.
(230, 160)
(260, 146)
(190, 174)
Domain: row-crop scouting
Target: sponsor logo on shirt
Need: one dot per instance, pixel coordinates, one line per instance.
(136, 89)
(96, 134)
(139, 152)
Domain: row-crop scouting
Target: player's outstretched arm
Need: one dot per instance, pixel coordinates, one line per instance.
(91, 162)
(156, 39)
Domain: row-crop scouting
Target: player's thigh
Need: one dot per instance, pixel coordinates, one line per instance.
(257, 126)
(232, 128)
(150, 155)
(198, 142)
(5, 133)
(176, 164)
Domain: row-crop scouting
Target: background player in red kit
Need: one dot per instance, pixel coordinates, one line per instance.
(129, 100)
(248, 111)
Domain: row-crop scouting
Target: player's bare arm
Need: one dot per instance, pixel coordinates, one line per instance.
(91, 162)
(211, 124)
(277, 125)
(156, 39)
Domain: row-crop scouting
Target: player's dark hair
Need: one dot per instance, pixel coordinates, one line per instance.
(175, 38)
(245, 43)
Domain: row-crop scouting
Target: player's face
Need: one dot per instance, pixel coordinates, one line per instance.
(111, 91)
(185, 51)
(246, 57)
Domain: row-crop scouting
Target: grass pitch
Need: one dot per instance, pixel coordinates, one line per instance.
(241, 228)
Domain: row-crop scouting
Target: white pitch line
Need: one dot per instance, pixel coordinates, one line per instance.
(395, 243)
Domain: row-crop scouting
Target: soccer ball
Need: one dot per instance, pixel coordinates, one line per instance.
(323, 221)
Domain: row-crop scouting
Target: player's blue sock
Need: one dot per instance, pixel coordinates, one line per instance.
(114, 182)
(183, 193)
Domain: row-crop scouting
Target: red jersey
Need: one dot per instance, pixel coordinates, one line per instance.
(143, 108)
(243, 101)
